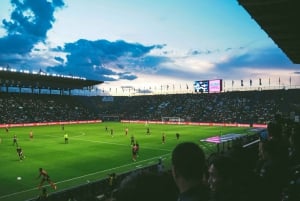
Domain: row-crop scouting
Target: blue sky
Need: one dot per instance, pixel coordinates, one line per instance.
(144, 44)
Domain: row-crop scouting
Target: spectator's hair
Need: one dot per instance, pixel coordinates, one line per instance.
(274, 130)
(225, 166)
(271, 147)
(147, 186)
(189, 160)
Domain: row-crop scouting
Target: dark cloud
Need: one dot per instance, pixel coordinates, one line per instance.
(127, 76)
(59, 59)
(105, 60)
(28, 25)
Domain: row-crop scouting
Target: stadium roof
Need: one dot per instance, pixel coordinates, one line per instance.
(44, 81)
(280, 20)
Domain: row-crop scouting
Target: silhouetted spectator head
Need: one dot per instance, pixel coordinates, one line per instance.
(188, 161)
(188, 169)
(221, 173)
(274, 130)
(147, 186)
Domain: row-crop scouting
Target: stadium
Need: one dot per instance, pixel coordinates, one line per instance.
(83, 138)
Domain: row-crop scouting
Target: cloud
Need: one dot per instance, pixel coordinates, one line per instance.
(105, 60)
(235, 65)
(28, 25)
(265, 57)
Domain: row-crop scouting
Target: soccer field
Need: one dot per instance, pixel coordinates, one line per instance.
(91, 154)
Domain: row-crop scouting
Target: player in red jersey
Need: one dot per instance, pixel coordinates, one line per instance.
(20, 153)
(134, 152)
(45, 177)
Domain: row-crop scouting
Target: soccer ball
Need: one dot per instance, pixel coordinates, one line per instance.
(19, 178)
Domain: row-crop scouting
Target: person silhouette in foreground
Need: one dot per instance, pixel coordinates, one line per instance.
(188, 168)
(147, 186)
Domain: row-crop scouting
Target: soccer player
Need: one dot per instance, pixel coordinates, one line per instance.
(15, 140)
(31, 135)
(163, 138)
(132, 140)
(43, 195)
(148, 131)
(137, 148)
(45, 177)
(20, 153)
(177, 136)
(134, 152)
(112, 132)
(66, 138)
(126, 131)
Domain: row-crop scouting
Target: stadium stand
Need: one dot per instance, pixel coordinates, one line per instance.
(247, 107)
(243, 107)
(230, 107)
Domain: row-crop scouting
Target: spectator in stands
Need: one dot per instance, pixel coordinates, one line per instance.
(111, 185)
(188, 168)
(272, 171)
(294, 148)
(160, 166)
(223, 179)
(147, 186)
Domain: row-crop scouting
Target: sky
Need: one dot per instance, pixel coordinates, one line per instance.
(146, 44)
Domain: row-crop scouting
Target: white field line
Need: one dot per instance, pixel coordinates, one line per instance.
(104, 142)
(90, 174)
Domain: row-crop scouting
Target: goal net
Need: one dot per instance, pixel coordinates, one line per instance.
(111, 118)
(171, 119)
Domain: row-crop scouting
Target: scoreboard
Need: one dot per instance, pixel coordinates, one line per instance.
(208, 86)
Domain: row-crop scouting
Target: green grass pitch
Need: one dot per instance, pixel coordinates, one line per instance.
(90, 155)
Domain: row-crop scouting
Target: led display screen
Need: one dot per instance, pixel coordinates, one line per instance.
(201, 86)
(215, 86)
